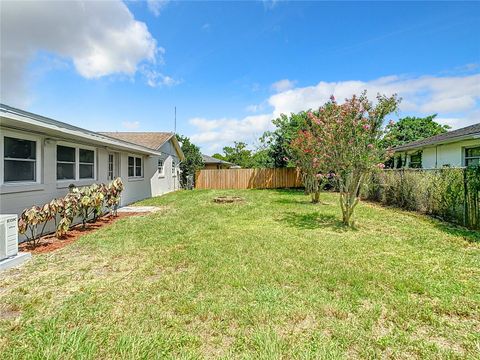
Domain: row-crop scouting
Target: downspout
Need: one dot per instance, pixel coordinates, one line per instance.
(436, 156)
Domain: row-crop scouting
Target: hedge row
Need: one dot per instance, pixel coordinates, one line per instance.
(449, 193)
(85, 202)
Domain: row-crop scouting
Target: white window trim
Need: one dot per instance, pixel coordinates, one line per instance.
(162, 172)
(465, 157)
(134, 177)
(77, 162)
(38, 160)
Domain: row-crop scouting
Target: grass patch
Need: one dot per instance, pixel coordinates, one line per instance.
(269, 277)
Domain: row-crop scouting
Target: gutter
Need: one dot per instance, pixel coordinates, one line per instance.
(74, 132)
(448, 141)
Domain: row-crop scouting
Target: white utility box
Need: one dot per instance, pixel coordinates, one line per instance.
(8, 236)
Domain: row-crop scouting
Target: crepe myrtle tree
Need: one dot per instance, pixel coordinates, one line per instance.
(345, 139)
(306, 156)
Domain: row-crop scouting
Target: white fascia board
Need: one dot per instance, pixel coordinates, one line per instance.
(88, 136)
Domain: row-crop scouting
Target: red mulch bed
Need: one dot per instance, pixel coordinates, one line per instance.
(50, 242)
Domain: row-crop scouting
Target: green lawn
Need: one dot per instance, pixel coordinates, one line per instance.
(273, 277)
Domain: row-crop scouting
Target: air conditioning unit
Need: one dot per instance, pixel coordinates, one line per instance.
(8, 236)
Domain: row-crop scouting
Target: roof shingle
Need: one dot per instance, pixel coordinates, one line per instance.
(211, 160)
(152, 140)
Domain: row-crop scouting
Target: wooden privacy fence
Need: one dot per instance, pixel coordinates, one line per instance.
(248, 179)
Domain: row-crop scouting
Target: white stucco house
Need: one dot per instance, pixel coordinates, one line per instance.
(455, 148)
(41, 157)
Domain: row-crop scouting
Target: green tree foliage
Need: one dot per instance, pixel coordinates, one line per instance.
(193, 159)
(237, 154)
(218, 156)
(411, 129)
(276, 143)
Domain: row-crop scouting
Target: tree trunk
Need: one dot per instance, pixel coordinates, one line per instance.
(349, 196)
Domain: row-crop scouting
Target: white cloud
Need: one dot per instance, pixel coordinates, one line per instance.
(455, 99)
(426, 94)
(206, 27)
(283, 85)
(216, 133)
(255, 107)
(156, 6)
(269, 4)
(156, 78)
(100, 37)
(131, 125)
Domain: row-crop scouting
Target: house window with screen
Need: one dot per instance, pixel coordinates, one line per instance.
(416, 161)
(160, 167)
(472, 156)
(135, 168)
(173, 167)
(74, 163)
(66, 163)
(87, 164)
(19, 160)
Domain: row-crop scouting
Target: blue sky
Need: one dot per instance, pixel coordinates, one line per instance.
(229, 67)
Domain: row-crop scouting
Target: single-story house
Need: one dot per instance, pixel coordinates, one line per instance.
(41, 157)
(214, 163)
(167, 163)
(455, 148)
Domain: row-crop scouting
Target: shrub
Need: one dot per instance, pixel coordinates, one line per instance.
(28, 223)
(82, 202)
(451, 193)
(112, 198)
(68, 208)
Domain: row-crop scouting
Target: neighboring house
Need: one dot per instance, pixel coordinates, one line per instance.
(41, 157)
(168, 174)
(455, 148)
(214, 163)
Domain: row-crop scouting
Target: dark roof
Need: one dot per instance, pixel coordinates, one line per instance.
(152, 140)
(454, 135)
(211, 160)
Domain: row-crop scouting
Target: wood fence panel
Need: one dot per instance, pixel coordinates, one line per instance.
(248, 178)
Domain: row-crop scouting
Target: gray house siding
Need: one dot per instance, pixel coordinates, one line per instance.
(169, 179)
(15, 198)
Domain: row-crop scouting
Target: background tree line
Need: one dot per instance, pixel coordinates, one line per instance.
(274, 150)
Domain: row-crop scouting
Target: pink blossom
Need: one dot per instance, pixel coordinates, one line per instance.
(366, 127)
(381, 165)
(370, 146)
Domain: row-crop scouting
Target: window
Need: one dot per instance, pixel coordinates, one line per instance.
(66, 157)
(75, 163)
(135, 169)
(173, 168)
(416, 161)
(472, 156)
(160, 167)
(110, 167)
(20, 158)
(87, 163)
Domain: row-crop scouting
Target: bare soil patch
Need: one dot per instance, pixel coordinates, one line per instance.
(227, 199)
